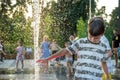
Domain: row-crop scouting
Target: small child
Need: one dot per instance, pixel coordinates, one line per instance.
(69, 60)
(20, 55)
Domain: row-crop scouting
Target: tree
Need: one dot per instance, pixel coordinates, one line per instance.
(114, 18)
(113, 23)
(13, 24)
(81, 28)
(65, 14)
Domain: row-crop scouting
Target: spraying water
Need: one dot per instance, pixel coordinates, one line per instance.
(36, 17)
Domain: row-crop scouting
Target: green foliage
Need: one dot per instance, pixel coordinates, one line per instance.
(113, 23)
(13, 24)
(114, 18)
(64, 16)
(109, 33)
(102, 12)
(81, 28)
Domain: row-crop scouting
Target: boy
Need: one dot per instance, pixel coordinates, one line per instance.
(91, 53)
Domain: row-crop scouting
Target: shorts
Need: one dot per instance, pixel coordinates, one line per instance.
(21, 58)
(69, 59)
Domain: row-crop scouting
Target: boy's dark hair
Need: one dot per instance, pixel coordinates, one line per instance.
(96, 26)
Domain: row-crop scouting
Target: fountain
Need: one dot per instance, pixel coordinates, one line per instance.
(36, 19)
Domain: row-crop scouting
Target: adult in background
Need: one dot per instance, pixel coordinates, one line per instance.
(115, 44)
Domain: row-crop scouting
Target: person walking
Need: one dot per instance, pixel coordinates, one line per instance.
(71, 41)
(115, 44)
(69, 60)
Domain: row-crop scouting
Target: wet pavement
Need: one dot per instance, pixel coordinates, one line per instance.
(56, 72)
(7, 71)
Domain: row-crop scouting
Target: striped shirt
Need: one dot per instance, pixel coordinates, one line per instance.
(90, 56)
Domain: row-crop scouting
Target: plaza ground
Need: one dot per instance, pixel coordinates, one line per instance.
(57, 72)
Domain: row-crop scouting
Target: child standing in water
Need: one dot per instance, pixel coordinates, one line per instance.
(20, 55)
(45, 51)
(69, 60)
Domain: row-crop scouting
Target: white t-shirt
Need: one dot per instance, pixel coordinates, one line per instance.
(105, 40)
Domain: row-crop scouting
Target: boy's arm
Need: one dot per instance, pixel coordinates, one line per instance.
(109, 52)
(105, 70)
(58, 54)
